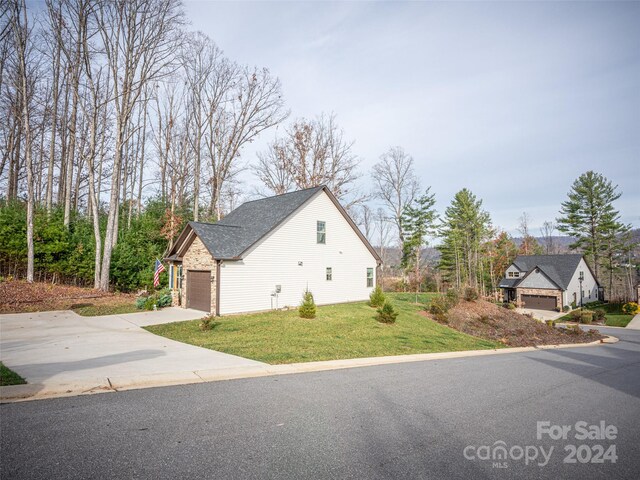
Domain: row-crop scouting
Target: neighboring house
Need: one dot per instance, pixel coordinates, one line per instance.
(267, 252)
(549, 282)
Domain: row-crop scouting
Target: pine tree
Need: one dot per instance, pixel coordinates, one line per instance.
(589, 216)
(464, 230)
(417, 222)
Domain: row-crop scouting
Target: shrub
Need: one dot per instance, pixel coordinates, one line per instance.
(575, 329)
(452, 297)
(438, 306)
(140, 301)
(387, 314)
(566, 308)
(307, 308)
(557, 309)
(511, 306)
(377, 297)
(574, 316)
(586, 317)
(206, 323)
(471, 294)
(630, 308)
(573, 305)
(159, 299)
(599, 314)
(551, 323)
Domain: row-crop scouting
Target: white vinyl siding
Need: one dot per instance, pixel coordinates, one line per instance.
(538, 280)
(589, 286)
(291, 256)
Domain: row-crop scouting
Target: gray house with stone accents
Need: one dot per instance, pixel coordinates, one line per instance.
(266, 253)
(550, 282)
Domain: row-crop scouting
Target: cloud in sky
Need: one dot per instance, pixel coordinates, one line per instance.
(512, 100)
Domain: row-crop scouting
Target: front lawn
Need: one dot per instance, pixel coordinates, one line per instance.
(9, 377)
(613, 317)
(338, 332)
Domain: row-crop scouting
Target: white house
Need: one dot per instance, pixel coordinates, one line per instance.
(267, 252)
(549, 282)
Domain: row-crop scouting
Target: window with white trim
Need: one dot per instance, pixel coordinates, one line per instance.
(329, 274)
(321, 232)
(369, 277)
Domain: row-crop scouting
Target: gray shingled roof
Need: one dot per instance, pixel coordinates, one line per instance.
(248, 223)
(559, 268)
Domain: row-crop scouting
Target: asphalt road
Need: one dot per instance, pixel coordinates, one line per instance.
(414, 420)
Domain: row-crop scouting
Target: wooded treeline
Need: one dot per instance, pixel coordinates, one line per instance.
(118, 125)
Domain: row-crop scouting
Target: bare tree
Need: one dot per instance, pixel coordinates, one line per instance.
(546, 231)
(139, 40)
(22, 32)
(309, 154)
(396, 184)
(252, 105)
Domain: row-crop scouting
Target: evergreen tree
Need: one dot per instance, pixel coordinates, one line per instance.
(589, 216)
(417, 222)
(464, 231)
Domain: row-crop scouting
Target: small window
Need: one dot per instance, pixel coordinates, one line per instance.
(510, 274)
(516, 274)
(171, 277)
(369, 277)
(322, 232)
(179, 277)
(329, 274)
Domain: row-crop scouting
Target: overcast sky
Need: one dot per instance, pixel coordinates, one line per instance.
(511, 100)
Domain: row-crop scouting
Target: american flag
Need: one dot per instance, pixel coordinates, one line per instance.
(156, 274)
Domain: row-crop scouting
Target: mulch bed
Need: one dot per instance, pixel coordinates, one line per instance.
(492, 322)
(17, 296)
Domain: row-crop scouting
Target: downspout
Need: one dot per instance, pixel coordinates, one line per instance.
(218, 263)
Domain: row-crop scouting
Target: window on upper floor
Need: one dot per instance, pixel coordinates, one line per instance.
(321, 231)
(329, 274)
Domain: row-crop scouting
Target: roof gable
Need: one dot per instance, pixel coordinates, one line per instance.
(558, 268)
(248, 224)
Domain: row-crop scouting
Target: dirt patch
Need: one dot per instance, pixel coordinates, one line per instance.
(489, 321)
(18, 296)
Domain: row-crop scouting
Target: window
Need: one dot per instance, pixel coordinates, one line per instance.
(513, 274)
(171, 277)
(369, 277)
(322, 232)
(329, 274)
(179, 277)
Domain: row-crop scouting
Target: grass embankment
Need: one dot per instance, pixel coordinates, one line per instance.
(338, 332)
(9, 377)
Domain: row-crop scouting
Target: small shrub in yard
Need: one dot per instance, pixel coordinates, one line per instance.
(470, 294)
(566, 308)
(586, 317)
(206, 323)
(575, 329)
(386, 314)
(510, 306)
(307, 308)
(453, 298)
(575, 315)
(630, 308)
(377, 297)
(551, 323)
(159, 299)
(438, 306)
(599, 314)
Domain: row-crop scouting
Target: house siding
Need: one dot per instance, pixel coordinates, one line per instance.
(537, 280)
(589, 286)
(247, 285)
(197, 257)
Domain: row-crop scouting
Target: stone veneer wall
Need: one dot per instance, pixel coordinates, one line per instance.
(197, 257)
(539, 291)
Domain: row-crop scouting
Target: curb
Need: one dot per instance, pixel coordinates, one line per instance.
(20, 393)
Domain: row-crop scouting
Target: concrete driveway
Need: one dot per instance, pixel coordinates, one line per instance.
(542, 315)
(60, 351)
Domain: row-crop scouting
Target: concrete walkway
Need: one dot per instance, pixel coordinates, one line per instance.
(61, 351)
(634, 324)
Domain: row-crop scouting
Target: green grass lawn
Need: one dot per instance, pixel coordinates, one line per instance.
(9, 377)
(613, 318)
(96, 310)
(338, 332)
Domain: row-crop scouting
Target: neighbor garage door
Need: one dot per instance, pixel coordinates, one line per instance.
(199, 290)
(539, 302)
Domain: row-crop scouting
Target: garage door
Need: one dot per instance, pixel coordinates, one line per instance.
(539, 302)
(199, 290)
